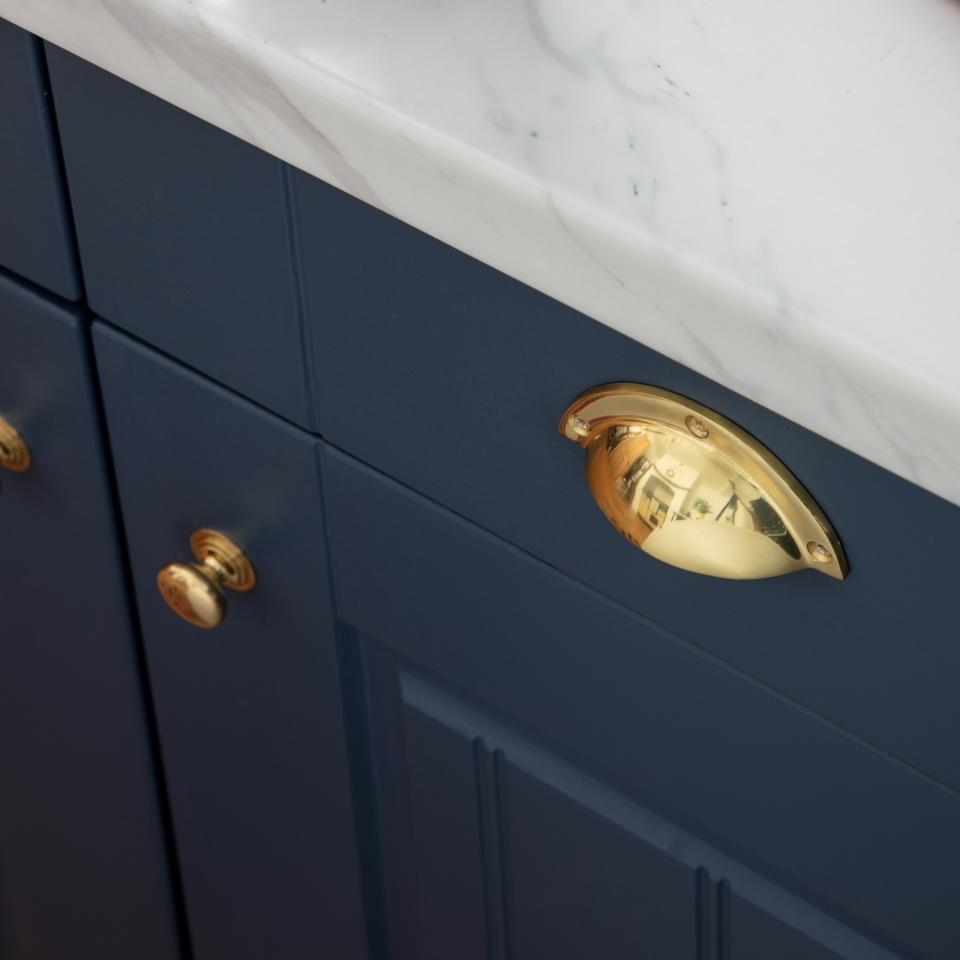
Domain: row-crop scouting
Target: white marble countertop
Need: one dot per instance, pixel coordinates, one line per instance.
(765, 190)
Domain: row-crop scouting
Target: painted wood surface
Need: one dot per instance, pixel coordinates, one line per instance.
(84, 870)
(646, 732)
(249, 714)
(36, 238)
(452, 378)
(184, 234)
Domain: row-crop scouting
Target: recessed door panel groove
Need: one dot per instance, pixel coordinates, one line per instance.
(712, 872)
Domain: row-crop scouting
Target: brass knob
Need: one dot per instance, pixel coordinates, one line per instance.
(692, 489)
(14, 452)
(194, 591)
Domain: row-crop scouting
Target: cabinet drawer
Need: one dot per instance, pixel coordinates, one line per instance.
(83, 864)
(452, 378)
(249, 713)
(538, 713)
(35, 238)
(183, 234)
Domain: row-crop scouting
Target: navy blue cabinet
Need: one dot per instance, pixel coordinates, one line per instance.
(83, 861)
(184, 234)
(458, 716)
(35, 231)
(249, 714)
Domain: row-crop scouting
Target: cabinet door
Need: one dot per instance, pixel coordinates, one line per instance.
(249, 713)
(83, 865)
(569, 779)
(35, 238)
(504, 847)
(183, 234)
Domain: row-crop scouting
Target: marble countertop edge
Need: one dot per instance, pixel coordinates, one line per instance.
(797, 364)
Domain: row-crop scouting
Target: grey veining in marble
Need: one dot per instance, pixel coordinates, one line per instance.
(767, 191)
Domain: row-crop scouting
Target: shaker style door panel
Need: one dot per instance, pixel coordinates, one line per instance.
(83, 862)
(452, 378)
(249, 713)
(183, 234)
(35, 237)
(836, 843)
(498, 861)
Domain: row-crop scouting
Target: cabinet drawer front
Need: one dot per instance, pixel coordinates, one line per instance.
(183, 234)
(35, 238)
(451, 377)
(249, 713)
(815, 833)
(83, 865)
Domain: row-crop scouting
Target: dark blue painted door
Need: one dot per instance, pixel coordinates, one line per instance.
(83, 864)
(561, 777)
(183, 234)
(35, 232)
(249, 713)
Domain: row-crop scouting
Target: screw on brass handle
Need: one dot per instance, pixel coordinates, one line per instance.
(14, 452)
(692, 489)
(194, 591)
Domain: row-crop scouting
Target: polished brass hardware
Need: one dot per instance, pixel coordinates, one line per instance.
(692, 489)
(14, 452)
(194, 591)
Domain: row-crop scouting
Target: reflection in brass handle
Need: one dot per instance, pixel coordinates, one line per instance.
(692, 489)
(14, 452)
(194, 591)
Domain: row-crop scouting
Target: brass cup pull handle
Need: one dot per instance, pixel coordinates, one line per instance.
(195, 591)
(692, 489)
(14, 452)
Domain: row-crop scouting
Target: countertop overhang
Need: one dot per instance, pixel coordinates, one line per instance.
(767, 192)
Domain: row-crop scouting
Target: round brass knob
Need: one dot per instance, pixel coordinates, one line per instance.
(692, 489)
(14, 452)
(194, 591)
